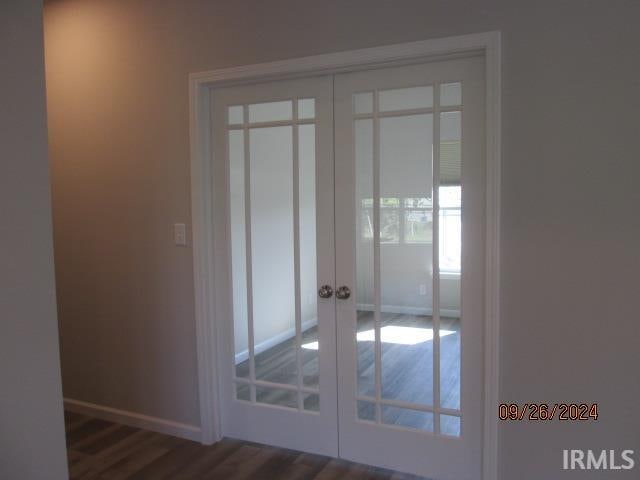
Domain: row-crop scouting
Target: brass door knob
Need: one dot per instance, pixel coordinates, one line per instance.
(343, 293)
(325, 291)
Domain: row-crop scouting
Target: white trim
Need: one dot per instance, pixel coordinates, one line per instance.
(406, 310)
(275, 340)
(493, 61)
(203, 258)
(132, 419)
(346, 61)
(201, 183)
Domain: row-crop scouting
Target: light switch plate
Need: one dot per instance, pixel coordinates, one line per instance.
(180, 234)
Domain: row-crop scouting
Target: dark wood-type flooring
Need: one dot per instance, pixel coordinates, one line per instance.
(98, 449)
(407, 372)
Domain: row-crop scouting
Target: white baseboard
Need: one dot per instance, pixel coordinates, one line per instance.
(132, 419)
(275, 340)
(368, 307)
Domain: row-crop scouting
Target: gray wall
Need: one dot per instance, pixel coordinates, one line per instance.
(32, 442)
(117, 79)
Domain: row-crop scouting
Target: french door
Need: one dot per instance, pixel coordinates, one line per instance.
(273, 150)
(350, 244)
(409, 244)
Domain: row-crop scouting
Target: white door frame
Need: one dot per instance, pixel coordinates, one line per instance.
(204, 253)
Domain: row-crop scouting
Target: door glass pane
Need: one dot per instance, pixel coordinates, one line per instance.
(363, 102)
(243, 392)
(405, 417)
(270, 111)
(308, 267)
(236, 114)
(311, 402)
(406, 261)
(266, 192)
(238, 251)
(406, 98)
(450, 425)
(363, 133)
(272, 254)
(450, 94)
(306, 108)
(450, 148)
(366, 411)
(277, 396)
(450, 248)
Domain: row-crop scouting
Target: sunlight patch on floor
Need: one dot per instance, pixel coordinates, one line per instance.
(393, 334)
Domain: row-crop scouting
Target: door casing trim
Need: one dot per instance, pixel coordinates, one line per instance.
(200, 131)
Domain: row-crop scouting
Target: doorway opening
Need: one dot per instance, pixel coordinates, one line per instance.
(396, 234)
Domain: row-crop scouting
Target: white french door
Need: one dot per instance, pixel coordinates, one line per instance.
(410, 246)
(350, 289)
(273, 161)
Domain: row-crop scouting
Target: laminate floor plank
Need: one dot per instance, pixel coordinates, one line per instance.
(236, 464)
(108, 436)
(209, 458)
(95, 464)
(72, 420)
(74, 456)
(102, 450)
(127, 466)
(305, 467)
(172, 464)
(85, 430)
(335, 469)
(278, 461)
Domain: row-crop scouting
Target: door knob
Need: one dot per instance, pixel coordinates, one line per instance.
(343, 293)
(325, 291)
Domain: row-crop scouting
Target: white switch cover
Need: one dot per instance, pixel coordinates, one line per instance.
(180, 234)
